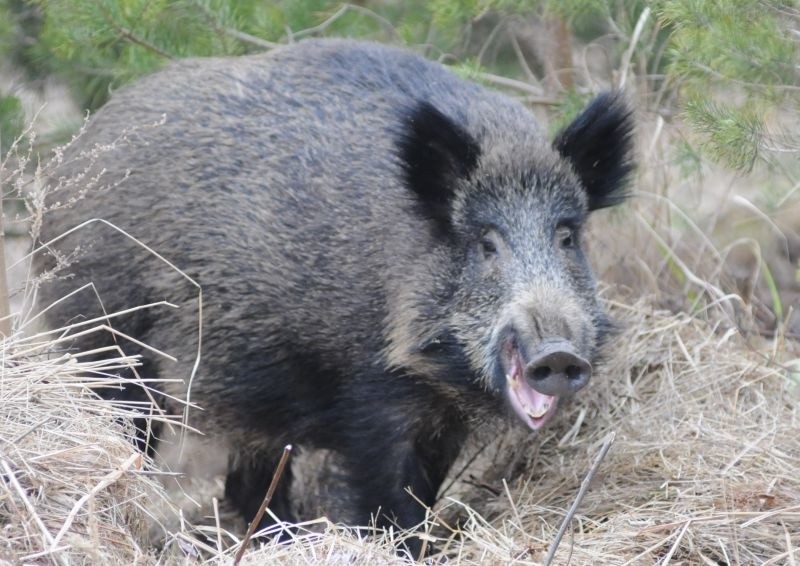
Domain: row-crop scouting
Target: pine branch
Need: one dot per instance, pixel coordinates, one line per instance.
(131, 37)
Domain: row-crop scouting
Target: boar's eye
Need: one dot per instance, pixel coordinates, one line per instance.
(488, 246)
(566, 238)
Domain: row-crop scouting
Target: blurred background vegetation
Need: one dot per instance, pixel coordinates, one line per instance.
(685, 55)
(715, 83)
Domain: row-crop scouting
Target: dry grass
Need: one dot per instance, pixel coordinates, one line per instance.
(72, 487)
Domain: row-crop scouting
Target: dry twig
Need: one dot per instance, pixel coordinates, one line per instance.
(276, 478)
(578, 498)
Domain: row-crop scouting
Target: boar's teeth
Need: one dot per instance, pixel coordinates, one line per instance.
(540, 414)
(514, 384)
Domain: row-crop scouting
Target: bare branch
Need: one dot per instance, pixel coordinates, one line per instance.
(581, 493)
(276, 477)
(343, 9)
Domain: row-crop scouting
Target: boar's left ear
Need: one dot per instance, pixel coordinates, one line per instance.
(599, 145)
(436, 153)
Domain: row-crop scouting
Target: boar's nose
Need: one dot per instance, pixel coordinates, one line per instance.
(556, 369)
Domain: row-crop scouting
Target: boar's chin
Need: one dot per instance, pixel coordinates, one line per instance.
(534, 408)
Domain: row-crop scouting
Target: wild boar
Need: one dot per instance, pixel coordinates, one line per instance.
(387, 252)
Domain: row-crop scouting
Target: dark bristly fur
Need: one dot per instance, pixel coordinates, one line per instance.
(436, 153)
(599, 144)
(367, 228)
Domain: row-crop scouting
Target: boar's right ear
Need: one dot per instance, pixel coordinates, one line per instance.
(436, 152)
(599, 145)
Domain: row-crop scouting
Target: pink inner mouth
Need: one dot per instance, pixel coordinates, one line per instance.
(533, 408)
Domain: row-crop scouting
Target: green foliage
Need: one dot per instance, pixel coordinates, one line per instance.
(19, 28)
(98, 45)
(731, 40)
(774, 292)
(696, 52)
(738, 51)
(6, 28)
(567, 110)
(469, 69)
(687, 159)
(449, 16)
(582, 10)
(12, 121)
(733, 134)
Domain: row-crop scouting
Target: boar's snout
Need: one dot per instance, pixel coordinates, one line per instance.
(556, 369)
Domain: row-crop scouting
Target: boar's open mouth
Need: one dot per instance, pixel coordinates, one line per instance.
(534, 386)
(533, 407)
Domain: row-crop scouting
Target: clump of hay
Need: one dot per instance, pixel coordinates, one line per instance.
(72, 487)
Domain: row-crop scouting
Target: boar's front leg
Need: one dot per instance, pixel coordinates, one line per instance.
(385, 462)
(250, 472)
